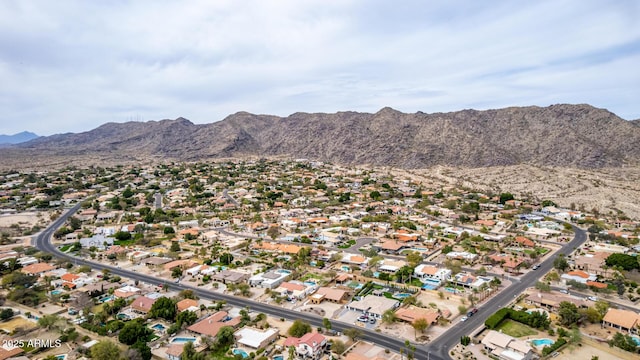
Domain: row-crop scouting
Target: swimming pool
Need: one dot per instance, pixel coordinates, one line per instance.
(636, 340)
(283, 271)
(237, 351)
(278, 357)
(61, 356)
(309, 283)
(56, 292)
(183, 340)
(106, 298)
(541, 342)
(159, 327)
(401, 295)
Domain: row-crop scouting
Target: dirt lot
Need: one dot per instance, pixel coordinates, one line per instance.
(18, 322)
(603, 189)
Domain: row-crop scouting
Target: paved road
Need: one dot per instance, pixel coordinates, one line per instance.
(158, 200)
(437, 350)
(442, 344)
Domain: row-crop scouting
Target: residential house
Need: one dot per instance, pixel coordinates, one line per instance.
(412, 313)
(470, 281)
(210, 325)
(579, 276)
(373, 305)
(432, 273)
(309, 346)
(270, 279)
(623, 320)
(255, 339)
(552, 300)
(506, 347)
(188, 305)
(142, 304)
(230, 277)
(333, 295)
(37, 269)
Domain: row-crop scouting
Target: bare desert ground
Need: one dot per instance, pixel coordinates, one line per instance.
(605, 190)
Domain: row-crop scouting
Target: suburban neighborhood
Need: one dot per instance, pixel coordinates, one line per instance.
(297, 259)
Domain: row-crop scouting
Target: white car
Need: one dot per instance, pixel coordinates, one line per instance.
(464, 318)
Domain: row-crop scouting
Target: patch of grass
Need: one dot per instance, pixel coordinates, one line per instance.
(124, 242)
(515, 329)
(66, 247)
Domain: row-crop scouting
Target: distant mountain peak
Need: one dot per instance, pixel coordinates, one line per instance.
(557, 135)
(17, 138)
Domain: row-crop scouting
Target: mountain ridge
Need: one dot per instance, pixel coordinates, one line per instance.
(558, 135)
(17, 138)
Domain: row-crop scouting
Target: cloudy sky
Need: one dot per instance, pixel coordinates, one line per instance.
(70, 66)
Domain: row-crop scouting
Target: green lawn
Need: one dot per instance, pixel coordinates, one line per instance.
(515, 329)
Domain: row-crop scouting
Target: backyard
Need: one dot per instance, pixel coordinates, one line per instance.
(515, 329)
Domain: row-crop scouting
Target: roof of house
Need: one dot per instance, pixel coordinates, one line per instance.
(175, 350)
(331, 294)
(143, 303)
(393, 245)
(623, 318)
(578, 273)
(596, 284)
(308, 338)
(69, 277)
(292, 286)
(212, 324)
(525, 241)
(413, 313)
(37, 268)
(184, 304)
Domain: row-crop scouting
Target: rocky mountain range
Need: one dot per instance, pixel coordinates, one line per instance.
(559, 135)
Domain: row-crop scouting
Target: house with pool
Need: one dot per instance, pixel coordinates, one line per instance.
(210, 325)
(622, 320)
(253, 339)
(432, 275)
(503, 346)
(270, 279)
(309, 346)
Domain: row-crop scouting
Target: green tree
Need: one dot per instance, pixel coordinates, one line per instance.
(542, 286)
(226, 259)
(353, 333)
(132, 332)
(105, 350)
(176, 272)
(6, 314)
(299, 328)
(48, 321)
(338, 347)
(389, 316)
(326, 323)
(504, 197)
(420, 325)
(175, 246)
(186, 318)
(560, 263)
(143, 349)
(168, 230)
(624, 261)
(224, 338)
(414, 258)
(568, 313)
(164, 308)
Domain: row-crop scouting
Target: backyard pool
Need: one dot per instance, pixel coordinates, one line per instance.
(541, 342)
(61, 356)
(401, 295)
(430, 284)
(106, 298)
(183, 340)
(56, 292)
(159, 327)
(310, 283)
(636, 340)
(237, 351)
(283, 271)
(278, 357)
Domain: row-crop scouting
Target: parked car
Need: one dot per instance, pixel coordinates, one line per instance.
(372, 321)
(535, 267)
(469, 314)
(564, 291)
(363, 318)
(592, 298)
(464, 318)
(475, 310)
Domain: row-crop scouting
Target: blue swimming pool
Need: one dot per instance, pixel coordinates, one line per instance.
(636, 340)
(183, 340)
(310, 283)
(401, 295)
(241, 352)
(56, 292)
(106, 298)
(283, 271)
(541, 342)
(159, 327)
(278, 357)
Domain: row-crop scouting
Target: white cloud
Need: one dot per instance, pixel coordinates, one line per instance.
(73, 65)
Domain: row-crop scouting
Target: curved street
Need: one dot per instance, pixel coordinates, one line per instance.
(438, 349)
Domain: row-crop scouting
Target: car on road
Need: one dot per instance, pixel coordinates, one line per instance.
(475, 310)
(464, 318)
(592, 298)
(535, 267)
(564, 291)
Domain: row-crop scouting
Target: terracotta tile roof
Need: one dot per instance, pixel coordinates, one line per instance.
(37, 268)
(143, 304)
(413, 313)
(212, 324)
(332, 294)
(392, 245)
(175, 350)
(292, 286)
(186, 303)
(623, 318)
(596, 284)
(579, 273)
(69, 277)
